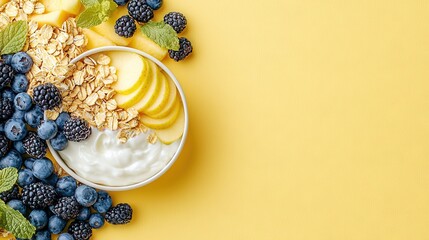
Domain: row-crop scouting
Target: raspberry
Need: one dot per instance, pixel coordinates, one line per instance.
(38, 195)
(34, 145)
(6, 74)
(47, 96)
(184, 50)
(140, 11)
(6, 109)
(121, 214)
(67, 208)
(80, 230)
(76, 129)
(176, 20)
(125, 26)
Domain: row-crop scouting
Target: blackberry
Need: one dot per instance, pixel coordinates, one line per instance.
(125, 26)
(47, 96)
(184, 50)
(176, 20)
(140, 11)
(38, 195)
(13, 193)
(34, 145)
(66, 208)
(6, 74)
(121, 214)
(4, 145)
(80, 230)
(6, 109)
(76, 129)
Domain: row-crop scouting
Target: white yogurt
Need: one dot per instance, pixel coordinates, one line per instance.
(104, 160)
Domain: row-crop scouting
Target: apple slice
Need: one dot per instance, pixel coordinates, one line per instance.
(56, 18)
(153, 92)
(107, 28)
(131, 68)
(141, 42)
(163, 95)
(162, 123)
(95, 40)
(129, 100)
(175, 131)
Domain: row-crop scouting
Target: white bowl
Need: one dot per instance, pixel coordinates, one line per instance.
(182, 141)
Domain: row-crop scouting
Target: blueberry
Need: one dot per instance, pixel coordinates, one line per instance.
(8, 94)
(25, 177)
(47, 130)
(29, 162)
(121, 2)
(84, 214)
(18, 206)
(34, 117)
(59, 142)
(7, 58)
(96, 220)
(15, 129)
(38, 218)
(23, 101)
(19, 83)
(66, 186)
(65, 236)
(21, 62)
(43, 168)
(12, 159)
(42, 235)
(62, 118)
(85, 195)
(154, 4)
(56, 224)
(104, 202)
(19, 147)
(51, 180)
(18, 115)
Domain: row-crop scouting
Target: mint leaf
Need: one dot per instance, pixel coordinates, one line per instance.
(13, 37)
(14, 222)
(90, 17)
(89, 3)
(8, 177)
(162, 34)
(96, 12)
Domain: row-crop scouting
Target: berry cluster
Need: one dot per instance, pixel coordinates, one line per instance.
(46, 200)
(142, 11)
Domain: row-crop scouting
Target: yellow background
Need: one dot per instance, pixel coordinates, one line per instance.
(309, 119)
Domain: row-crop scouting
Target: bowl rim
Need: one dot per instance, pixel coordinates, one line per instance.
(63, 165)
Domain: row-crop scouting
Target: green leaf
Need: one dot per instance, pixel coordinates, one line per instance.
(14, 222)
(13, 37)
(162, 34)
(8, 177)
(89, 3)
(90, 17)
(96, 12)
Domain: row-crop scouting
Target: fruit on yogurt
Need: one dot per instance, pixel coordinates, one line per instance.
(95, 40)
(154, 89)
(174, 132)
(162, 123)
(55, 18)
(132, 71)
(166, 87)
